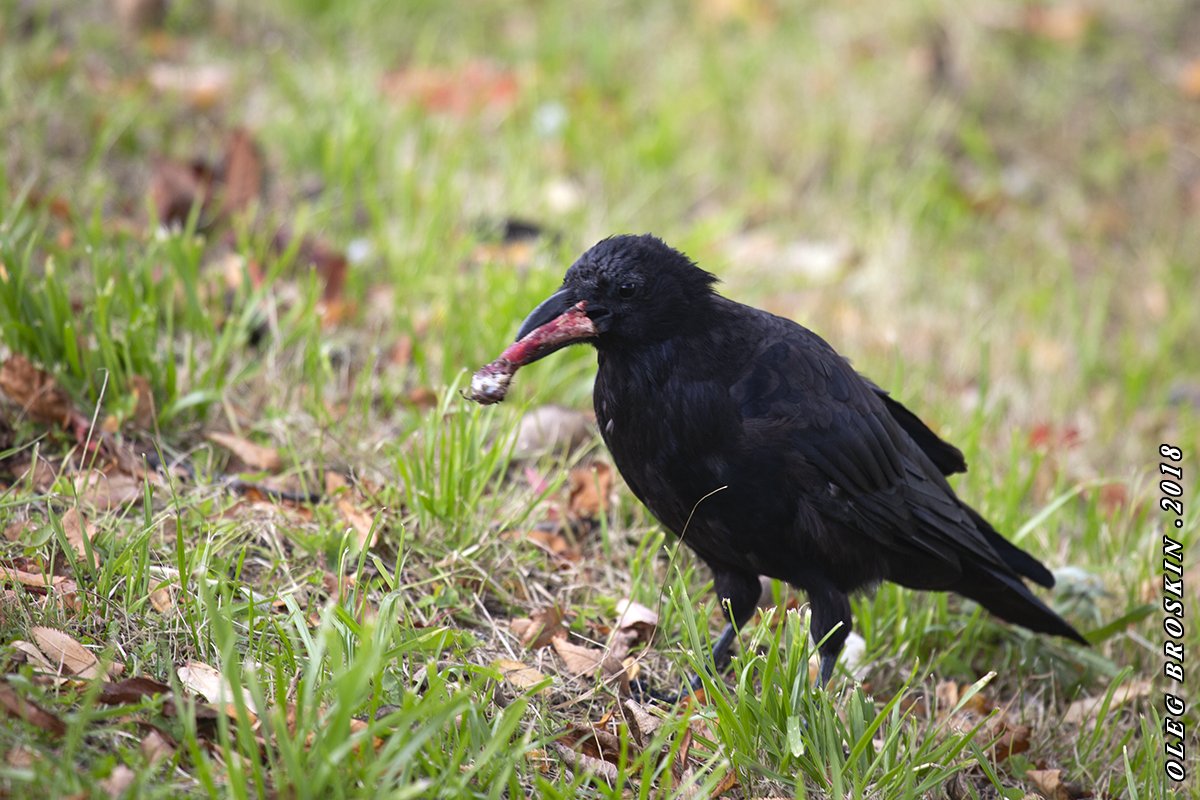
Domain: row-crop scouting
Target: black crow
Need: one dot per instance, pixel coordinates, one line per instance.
(759, 446)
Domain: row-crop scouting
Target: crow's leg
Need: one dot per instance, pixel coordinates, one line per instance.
(739, 593)
(830, 607)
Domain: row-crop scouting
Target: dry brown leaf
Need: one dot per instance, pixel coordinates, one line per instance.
(18, 707)
(15, 531)
(143, 399)
(21, 757)
(1189, 79)
(32, 655)
(472, 87)
(202, 86)
(537, 632)
(579, 659)
(1086, 708)
(1062, 22)
(549, 429)
(241, 173)
(519, 674)
(156, 746)
(162, 599)
(1049, 783)
(329, 263)
(140, 15)
(366, 532)
(106, 492)
(69, 656)
(634, 615)
(589, 491)
(175, 187)
(36, 391)
(79, 535)
(199, 678)
(118, 781)
(644, 723)
(582, 761)
(251, 454)
(130, 691)
(552, 541)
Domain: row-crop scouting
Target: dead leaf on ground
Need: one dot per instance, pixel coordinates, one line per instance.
(632, 614)
(36, 391)
(176, 186)
(456, 91)
(200, 85)
(363, 523)
(18, 707)
(581, 660)
(156, 746)
(999, 731)
(551, 429)
(553, 541)
(644, 723)
(15, 531)
(253, 455)
(118, 781)
(519, 674)
(1063, 22)
(1050, 785)
(143, 402)
(109, 491)
(590, 487)
(199, 678)
(69, 657)
(330, 264)
(536, 633)
(1085, 709)
(131, 691)
(79, 533)
(242, 173)
(1189, 79)
(162, 598)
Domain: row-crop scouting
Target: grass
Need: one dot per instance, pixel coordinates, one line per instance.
(989, 208)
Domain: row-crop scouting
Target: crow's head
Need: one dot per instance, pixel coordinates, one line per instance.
(625, 291)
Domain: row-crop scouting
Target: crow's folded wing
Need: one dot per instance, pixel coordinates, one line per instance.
(859, 463)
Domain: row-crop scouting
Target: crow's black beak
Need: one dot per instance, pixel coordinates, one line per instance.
(551, 308)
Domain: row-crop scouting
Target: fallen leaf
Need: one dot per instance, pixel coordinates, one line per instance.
(366, 532)
(589, 491)
(519, 674)
(106, 492)
(578, 659)
(1189, 79)
(474, 86)
(176, 187)
(202, 85)
(537, 632)
(79, 536)
(35, 391)
(131, 691)
(634, 615)
(18, 707)
(550, 429)
(241, 173)
(143, 402)
(118, 781)
(162, 599)
(1062, 22)
(644, 723)
(15, 531)
(329, 263)
(251, 454)
(1085, 709)
(70, 657)
(199, 678)
(156, 746)
(140, 15)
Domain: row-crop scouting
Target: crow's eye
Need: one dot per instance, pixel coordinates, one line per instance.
(627, 290)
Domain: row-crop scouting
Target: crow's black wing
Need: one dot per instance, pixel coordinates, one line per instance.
(945, 456)
(861, 467)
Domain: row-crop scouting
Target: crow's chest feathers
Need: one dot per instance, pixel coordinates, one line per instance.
(668, 432)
